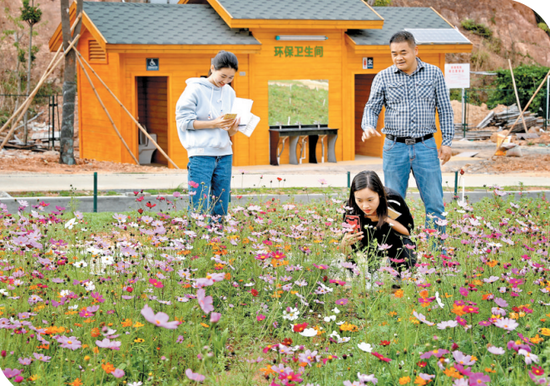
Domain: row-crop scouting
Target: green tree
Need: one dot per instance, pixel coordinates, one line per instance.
(528, 79)
(30, 15)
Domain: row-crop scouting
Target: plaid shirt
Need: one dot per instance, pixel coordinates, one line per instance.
(411, 103)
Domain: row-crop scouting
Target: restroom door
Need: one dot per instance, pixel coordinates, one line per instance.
(152, 92)
(373, 146)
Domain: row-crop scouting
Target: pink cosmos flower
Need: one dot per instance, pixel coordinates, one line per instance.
(193, 184)
(41, 357)
(156, 283)
(160, 319)
(260, 317)
(118, 373)
(205, 301)
(506, 324)
(71, 343)
(194, 376)
(529, 357)
(342, 302)
(10, 373)
(215, 317)
(465, 360)
(479, 379)
(437, 353)
(107, 343)
(496, 350)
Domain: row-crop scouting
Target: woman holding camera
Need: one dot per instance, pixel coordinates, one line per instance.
(384, 221)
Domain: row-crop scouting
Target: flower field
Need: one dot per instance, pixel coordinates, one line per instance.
(168, 298)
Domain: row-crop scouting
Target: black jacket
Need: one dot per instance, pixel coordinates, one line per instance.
(386, 235)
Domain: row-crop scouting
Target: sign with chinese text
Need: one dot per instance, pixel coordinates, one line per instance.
(299, 51)
(368, 63)
(457, 75)
(152, 64)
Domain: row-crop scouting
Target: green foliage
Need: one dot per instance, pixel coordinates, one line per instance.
(382, 3)
(479, 57)
(544, 27)
(477, 28)
(528, 79)
(299, 102)
(29, 14)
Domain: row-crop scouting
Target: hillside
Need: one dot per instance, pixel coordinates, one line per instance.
(515, 33)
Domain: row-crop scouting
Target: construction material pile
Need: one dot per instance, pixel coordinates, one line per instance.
(506, 119)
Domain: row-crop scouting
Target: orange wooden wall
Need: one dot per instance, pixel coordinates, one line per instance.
(339, 65)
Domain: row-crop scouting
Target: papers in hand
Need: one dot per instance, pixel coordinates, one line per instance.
(249, 121)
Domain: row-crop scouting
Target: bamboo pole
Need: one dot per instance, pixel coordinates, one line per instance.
(35, 91)
(43, 75)
(517, 96)
(105, 109)
(127, 112)
(526, 107)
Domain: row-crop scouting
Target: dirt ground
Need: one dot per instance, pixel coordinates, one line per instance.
(48, 162)
(475, 114)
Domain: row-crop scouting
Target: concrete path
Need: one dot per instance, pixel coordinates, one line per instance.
(306, 175)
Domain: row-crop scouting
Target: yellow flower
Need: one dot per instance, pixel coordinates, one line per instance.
(139, 340)
(452, 372)
(33, 377)
(348, 327)
(404, 380)
(545, 331)
(127, 323)
(537, 339)
(138, 325)
(205, 325)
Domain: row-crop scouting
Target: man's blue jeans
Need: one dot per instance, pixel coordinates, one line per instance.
(212, 174)
(398, 160)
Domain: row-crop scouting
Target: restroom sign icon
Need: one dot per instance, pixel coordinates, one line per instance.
(152, 64)
(368, 63)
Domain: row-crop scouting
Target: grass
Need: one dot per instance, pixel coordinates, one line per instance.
(298, 102)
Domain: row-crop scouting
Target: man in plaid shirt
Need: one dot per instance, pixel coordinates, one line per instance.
(412, 91)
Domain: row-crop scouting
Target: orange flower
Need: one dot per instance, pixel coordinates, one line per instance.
(486, 296)
(459, 310)
(76, 382)
(420, 381)
(537, 339)
(109, 368)
(227, 276)
(452, 372)
(127, 323)
(492, 263)
(399, 293)
(95, 332)
(404, 380)
(424, 294)
(489, 370)
(267, 371)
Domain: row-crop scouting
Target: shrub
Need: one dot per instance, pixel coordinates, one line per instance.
(477, 28)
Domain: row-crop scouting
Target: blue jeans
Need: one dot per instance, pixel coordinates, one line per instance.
(398, 160)
(213, 176)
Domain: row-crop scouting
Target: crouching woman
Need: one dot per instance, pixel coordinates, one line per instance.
(384, 223)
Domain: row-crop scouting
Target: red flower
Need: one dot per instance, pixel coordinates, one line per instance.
(537, 370)
(299, 327)
(381, 357)
(385, 343)
(254, 292)
(421, 364)
(149, 205)
(156, 283)
(287, 342)
(140, 211)
(277, 255)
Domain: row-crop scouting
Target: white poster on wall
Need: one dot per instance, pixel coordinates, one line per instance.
(457, 75)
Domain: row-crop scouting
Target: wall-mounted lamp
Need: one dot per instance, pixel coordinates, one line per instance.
(300, 37)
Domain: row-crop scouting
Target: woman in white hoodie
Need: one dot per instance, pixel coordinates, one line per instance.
(205, 134)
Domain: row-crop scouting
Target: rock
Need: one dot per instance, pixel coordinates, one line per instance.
(514, 152)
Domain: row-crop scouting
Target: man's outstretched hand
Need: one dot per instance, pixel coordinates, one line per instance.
(369, 133)
(444, 154)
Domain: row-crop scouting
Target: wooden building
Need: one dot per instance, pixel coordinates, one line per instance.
(145, 52)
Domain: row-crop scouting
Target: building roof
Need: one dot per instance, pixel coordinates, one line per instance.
(398, 19)
(344, 10)
(163, 24)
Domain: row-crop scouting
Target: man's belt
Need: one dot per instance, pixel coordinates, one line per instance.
(408, 140)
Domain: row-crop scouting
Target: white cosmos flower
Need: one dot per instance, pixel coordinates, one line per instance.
(73, 307)
(107, 260)
(90, 286)
(330, 318)
(69, 224)
(292, 314)
(80, 264)
(309, 332)
(439, 302)
(366, 347)
(336, 310)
